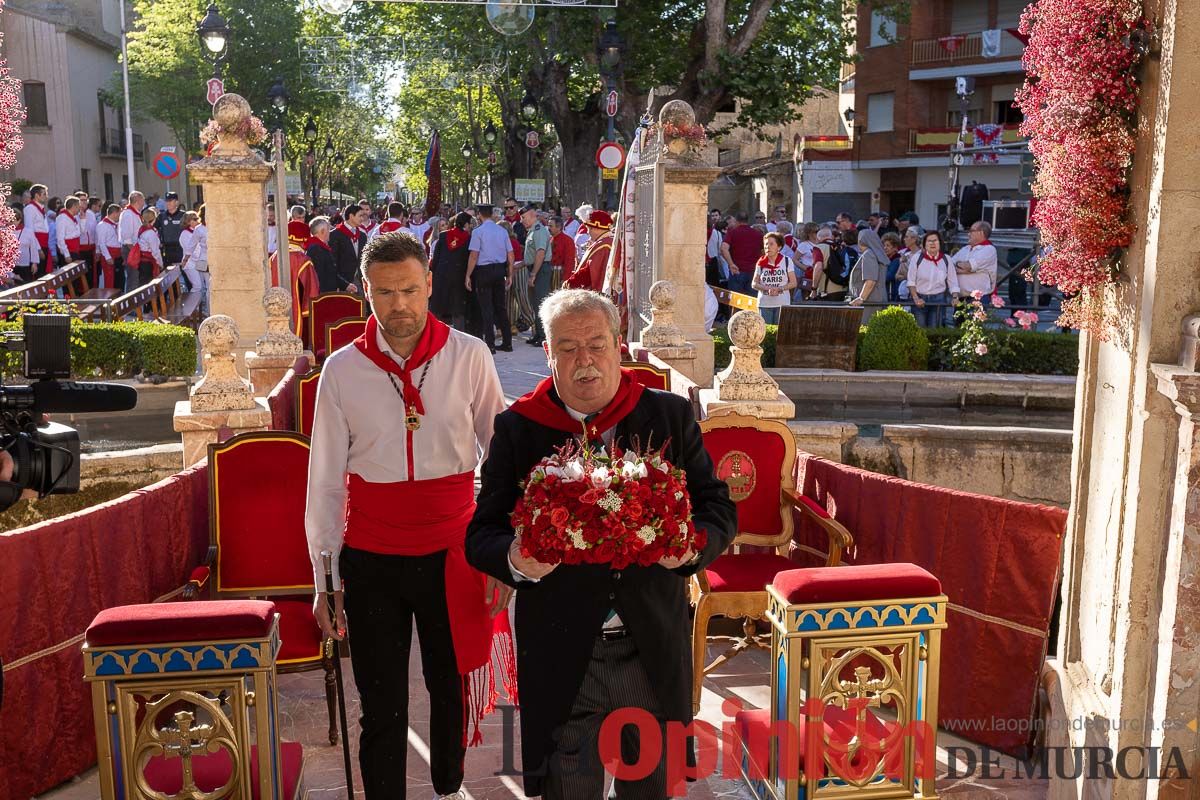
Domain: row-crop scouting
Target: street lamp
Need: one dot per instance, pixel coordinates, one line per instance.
(467, 151)
(848, 114)
(310, 130)
(329, 151)
(214, 37)
(608, 53)
(489, 133)
(278, 96)
(529, 105)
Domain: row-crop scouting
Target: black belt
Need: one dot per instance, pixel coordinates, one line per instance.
(613, 634)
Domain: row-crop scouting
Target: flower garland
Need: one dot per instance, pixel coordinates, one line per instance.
(1080, 102)
(251, 129)
(12, 114)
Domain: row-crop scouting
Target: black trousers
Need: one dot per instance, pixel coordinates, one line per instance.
(383, 595)
(492, 297)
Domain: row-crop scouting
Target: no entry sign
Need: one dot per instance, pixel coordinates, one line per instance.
(166, 164)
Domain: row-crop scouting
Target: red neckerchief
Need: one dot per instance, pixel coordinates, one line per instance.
(351, 236)
(432, 340)
(985, 241)
(41, 210)
(319, 243)
(763, 262)
(456, 238)
(540, 406)
(72, 216)
(145, 228)
(109, 221)
(925, 257)
(390, 225)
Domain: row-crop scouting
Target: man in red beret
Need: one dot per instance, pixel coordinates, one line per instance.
(590, 274)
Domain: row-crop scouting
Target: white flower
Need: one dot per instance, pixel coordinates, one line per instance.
(573, 471)
(601, 477)
(555, 471)
(647, 534)
(683, 529)
(633, 470)
(679, 495)
(577, 540)
(536, 513)
(611, 502)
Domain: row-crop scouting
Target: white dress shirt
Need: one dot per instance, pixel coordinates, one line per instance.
(66, 227)
(107, 239)
(128, 225)
(358, 427)
(571, 228)
(35, 222)
(151, 246)
(199, 259)
(272, 239)
(88, 232)
(982, 277)
(927, 277)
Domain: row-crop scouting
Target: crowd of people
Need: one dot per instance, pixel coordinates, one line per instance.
(870, 263)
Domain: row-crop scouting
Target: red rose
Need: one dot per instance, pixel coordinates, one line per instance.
(559, 517)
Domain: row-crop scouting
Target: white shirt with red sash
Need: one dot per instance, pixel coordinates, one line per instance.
(37, 226)
(87, 230)
(108, 242)
(983, 267)
(128, 225)
(387, 226)
(68, 232)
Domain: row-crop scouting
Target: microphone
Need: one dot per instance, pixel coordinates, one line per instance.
(69, 397)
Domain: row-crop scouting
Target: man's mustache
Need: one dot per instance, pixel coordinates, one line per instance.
(583, 373)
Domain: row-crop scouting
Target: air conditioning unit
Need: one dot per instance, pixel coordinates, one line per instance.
(1006, 215)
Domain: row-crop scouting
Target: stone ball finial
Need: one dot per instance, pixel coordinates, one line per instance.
(218, 335)
(747, 329)
(277, 302)
(677, 112)
(662, 295)
(231, 110)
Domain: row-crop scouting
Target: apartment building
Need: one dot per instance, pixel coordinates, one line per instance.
(64, 52)
(903, 113)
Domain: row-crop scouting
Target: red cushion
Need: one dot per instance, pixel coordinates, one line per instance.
(211, 771)
(199, 621)
(813, 506)
(856, 583)
(298, 630)
(745, 572)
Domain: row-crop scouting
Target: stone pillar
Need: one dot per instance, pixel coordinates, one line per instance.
(222, 403)
(744, 387)
(234, 180)
(672, 182)
(276, 350)
(662, 336)
(1129, 554)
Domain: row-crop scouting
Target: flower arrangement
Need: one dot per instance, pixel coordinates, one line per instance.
(980, 349)
(12, 114)
(693, 133)
(584, 506)
(1080, 102)
(251, 129)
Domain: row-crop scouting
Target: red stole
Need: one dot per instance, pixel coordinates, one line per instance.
(390, 225)
(319, 243)
(456, 238)
(432, 340)
(351, 235)
(540, 407)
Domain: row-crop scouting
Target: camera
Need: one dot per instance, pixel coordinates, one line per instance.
(44, 454)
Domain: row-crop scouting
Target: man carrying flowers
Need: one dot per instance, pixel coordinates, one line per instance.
(599, 629)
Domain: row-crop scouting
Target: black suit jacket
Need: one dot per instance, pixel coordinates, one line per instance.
(346, 257)
(559, 617)
(326, 268)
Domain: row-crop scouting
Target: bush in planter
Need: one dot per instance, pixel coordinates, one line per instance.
(721, 345)
(121, 350)
(1027, 352)
(892, 340)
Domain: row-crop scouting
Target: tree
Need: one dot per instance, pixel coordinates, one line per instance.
(12, 114)
(762, 57)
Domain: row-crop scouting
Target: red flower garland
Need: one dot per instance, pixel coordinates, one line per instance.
(1080, 102)
(12, 114)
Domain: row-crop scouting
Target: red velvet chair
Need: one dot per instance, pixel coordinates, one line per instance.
(757, 458)
(257, 547)
(306, 400)
(326, 309)
(650, 376)
(343, 332)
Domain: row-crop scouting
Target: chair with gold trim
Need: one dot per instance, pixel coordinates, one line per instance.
(343, 332)
(757, 459)
(650, 376)
(257, 546)
(306, 400)
(326, 309)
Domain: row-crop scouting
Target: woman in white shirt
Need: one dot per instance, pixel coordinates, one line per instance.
(932, 282)
(774, 278)
(195, 254)
(151, 259)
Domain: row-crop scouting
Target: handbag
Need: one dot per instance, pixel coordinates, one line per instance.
(135, 256)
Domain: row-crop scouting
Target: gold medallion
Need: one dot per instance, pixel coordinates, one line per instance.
(412, 421)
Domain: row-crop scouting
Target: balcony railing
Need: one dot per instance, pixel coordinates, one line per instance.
(940, 140)
(962, 47)
(114, 144)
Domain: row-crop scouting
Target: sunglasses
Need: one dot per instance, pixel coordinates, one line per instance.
(510, 208)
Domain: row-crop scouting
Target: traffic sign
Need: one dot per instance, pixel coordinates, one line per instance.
(166, 164)
(216, 88)
(610, 155)
(491, 158)
(532, 140)
(610, 105)
(609, 174)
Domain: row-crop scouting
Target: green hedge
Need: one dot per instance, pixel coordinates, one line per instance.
(1032, 352)
(121, 350)
(721, 346)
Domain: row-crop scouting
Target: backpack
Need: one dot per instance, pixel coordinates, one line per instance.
(839, 265)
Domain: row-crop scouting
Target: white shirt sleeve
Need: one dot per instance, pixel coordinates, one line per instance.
(488, 401)
(325, 515)
(60, 236)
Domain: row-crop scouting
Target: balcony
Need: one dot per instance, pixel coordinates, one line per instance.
(964, 50)
(113, 145)
(940, 140)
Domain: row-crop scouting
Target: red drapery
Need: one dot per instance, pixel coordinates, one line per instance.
(282, 399)
(998, 561)
(54, 578)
